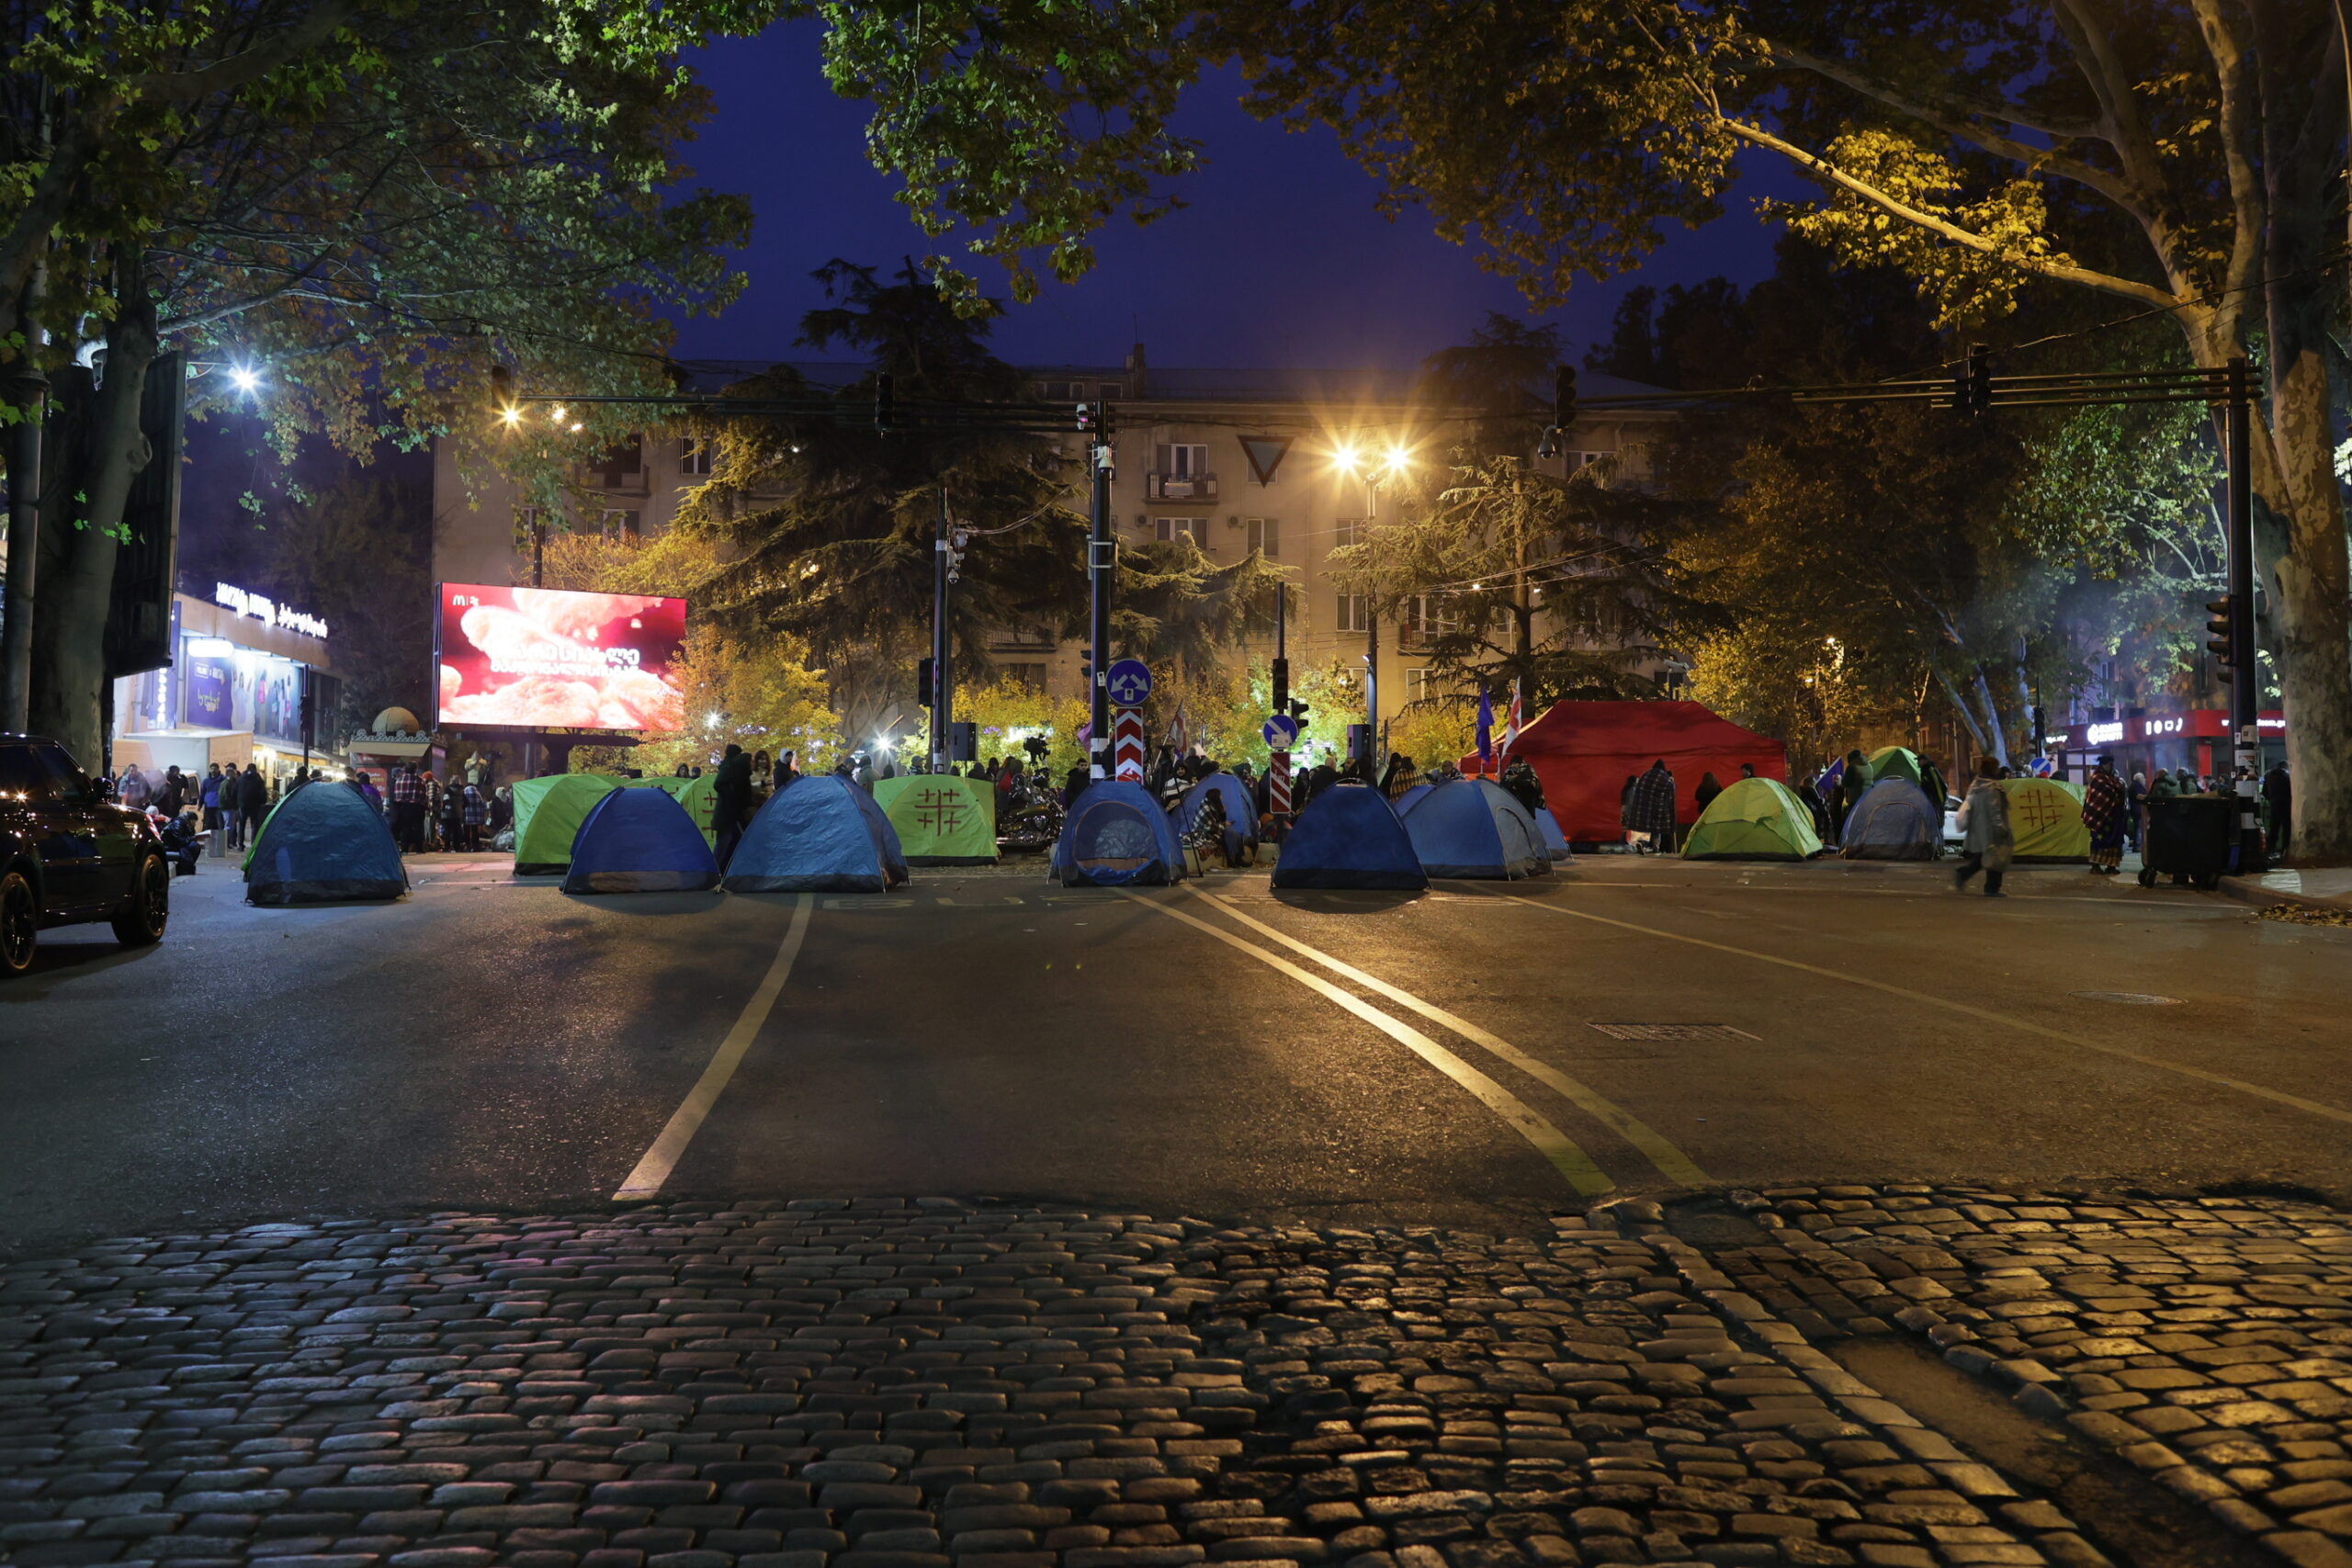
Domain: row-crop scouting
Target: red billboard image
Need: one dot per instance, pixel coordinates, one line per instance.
(552, 659)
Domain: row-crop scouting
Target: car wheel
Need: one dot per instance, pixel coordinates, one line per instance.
(19, 923)
(149, 907)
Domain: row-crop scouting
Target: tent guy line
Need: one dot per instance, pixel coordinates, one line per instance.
(2316, 1108)
(654, 1167)
(1547, 1140)
(1670, 1161)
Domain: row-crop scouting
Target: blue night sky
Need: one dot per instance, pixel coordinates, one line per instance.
(1279, 260)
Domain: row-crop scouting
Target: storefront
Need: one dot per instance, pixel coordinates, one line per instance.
(2198, 740)
(248, 682)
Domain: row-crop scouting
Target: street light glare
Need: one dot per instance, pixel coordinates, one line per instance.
(1348, 457)
(244, 378)
(1398, 459)
(512, 416)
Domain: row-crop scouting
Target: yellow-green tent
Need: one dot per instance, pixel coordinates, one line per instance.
(942, 819)
(1754, 820)
(2046, 816)
(1895, 762)
(696, 794)
(547, 813)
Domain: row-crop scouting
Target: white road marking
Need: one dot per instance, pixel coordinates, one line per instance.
(659, 1161)
(2280, 1097)
(1547, 1140)
(1671, 1162)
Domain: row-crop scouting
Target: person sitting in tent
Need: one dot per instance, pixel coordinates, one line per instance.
(2103, 814)
(1650, 809)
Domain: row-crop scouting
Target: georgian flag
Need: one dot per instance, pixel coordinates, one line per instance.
(1512, 722)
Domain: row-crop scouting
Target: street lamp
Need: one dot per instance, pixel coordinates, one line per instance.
(1356, 463)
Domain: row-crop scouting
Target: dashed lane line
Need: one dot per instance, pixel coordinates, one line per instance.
(662, 1159)
(1670, 1161)
(1554, 1145)
(2125, 1053)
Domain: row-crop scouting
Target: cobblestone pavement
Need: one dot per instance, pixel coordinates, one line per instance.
(924, 1384)
(2206, 1341)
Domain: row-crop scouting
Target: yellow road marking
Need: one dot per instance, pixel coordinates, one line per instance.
(1671, 1162)
(659, 1160)
(1547, 1140)
(2334, 1113)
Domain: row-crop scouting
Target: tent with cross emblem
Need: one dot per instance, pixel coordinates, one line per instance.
(941, 819)
(2046, 814)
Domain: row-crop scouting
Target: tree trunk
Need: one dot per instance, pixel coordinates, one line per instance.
(81, 523)
(1993, 730)
(2311, 618)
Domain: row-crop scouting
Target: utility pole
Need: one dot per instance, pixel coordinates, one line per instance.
(1371, 651)
(1101, 567)
(943, 555)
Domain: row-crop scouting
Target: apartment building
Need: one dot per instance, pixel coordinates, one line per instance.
(1235, 460)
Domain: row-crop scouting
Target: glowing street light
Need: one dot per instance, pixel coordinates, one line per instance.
(245, 378)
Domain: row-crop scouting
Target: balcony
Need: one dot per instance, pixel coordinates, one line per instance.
(1190, 486)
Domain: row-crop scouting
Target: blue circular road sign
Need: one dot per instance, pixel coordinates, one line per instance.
(1129, 683)
(1281, 731)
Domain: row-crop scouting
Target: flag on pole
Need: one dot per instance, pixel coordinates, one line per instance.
(1486, 731)
(1179, 734)
(1512, 721)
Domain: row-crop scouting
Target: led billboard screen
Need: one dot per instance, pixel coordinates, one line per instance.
(553, 658)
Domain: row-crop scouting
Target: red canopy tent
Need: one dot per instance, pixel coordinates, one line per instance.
(1583, 752)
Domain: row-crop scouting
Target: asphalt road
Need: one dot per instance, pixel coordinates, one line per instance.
(1217, 1049)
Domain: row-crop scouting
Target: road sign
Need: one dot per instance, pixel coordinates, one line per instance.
(1278, 783)
(1281, 731)
(1129, 683)
(1127, 743)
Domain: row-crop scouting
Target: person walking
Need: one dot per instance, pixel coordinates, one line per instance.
(2279, 792)
(252, 803)
(209, 797)
(730, 801)
(2103, 814)
(1986, 841)
(1652, 808)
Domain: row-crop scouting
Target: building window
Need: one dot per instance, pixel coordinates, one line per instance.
(1169, 528)
(1266, 535)
(1430, 616)
(1422, 684)
(1109, 390)
(1029, 675)
(1179, 461)
(620, 464)
(1355, 614)
(694, 456)
(620, 522)
(1347, 531)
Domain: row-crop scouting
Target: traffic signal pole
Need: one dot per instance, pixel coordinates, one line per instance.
(1101, 565)
(941, 681)
(2245, 694)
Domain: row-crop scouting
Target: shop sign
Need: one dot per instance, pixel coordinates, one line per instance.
(259, 607)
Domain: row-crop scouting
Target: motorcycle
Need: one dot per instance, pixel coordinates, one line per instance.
(1032, 818)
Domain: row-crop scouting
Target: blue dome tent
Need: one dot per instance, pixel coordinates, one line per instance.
(1348, 837)
(819, 835)
(324, 844)
(1241, 811)
(640, 841)
(1116, 833)
(1556, 843)
(1474, 828)
(1892, 821)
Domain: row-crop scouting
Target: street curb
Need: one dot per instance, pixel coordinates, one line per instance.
(2246, 890)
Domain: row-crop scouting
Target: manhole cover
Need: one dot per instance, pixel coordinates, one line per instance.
(2128, 998)
(1672, 1032)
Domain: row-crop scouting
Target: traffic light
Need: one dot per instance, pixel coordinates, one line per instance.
(1972, 384)
(1281, 685)
(1298, 711)
(963, 741)
(2217, 632)
(926, 687)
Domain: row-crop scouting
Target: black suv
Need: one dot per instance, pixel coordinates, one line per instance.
(67, 855)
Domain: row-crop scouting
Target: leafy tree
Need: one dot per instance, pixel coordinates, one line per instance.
(2160, 160)
(367, 205)
(1009, 712)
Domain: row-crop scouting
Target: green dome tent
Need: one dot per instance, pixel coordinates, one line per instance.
(548, 813)
(941, 819)
(1895, 762)
(1754, 820)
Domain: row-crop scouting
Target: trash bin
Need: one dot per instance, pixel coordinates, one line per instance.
(2187, 839)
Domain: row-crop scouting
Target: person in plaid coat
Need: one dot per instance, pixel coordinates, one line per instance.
(1651, 810)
